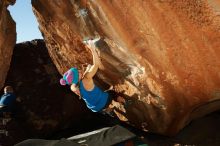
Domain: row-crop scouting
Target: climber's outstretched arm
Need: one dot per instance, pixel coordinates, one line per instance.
(91, 71)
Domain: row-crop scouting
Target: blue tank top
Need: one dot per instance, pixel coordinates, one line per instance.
(95, 99)
(7, 99)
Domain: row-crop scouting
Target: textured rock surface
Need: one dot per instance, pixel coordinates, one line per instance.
(7, 39)
(163, 54)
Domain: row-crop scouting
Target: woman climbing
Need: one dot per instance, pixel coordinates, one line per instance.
(83, 85)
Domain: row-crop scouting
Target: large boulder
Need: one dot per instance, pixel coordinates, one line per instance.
(7, 39)
(163, 54)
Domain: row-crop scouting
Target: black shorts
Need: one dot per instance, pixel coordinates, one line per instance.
(112, 95)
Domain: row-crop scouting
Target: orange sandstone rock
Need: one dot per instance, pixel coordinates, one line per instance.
(163, 54)
(7, 39)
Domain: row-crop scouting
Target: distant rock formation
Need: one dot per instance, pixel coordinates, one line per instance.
(7, 39)
(164, 55)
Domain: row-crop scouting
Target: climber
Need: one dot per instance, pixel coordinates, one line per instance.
(7, 100)
(82, 84)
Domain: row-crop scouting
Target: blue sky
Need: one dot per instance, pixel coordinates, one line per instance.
(26, 23)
